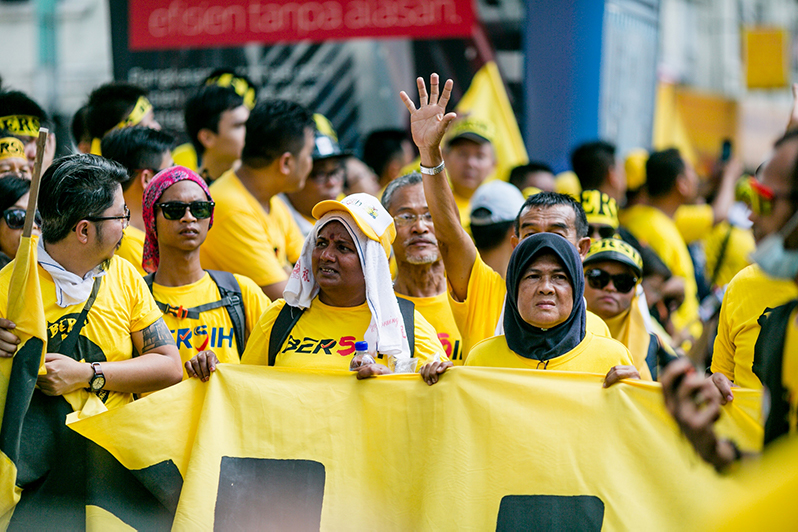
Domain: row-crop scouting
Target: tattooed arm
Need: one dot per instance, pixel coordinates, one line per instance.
(157, 367)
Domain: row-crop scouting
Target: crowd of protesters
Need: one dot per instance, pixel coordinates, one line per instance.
(262, 241)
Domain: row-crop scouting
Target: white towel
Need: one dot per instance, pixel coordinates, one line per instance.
(70, 289)
(386, 332)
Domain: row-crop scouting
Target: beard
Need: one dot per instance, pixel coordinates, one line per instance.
(428, 257)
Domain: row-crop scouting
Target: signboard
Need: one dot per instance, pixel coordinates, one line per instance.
(158, 25)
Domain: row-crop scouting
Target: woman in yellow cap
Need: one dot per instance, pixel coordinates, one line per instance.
(340, 293)
(613, 270)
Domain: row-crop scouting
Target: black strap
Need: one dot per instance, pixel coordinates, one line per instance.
(288, 316)
(68, 346)
(230, 292)
(407, 308)
(768, 367)
(282, 327)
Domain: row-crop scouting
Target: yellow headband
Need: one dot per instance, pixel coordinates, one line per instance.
(141, 108)
(614, 249)
(12, 148)
(240, 85)
(23, 125)
(599, 208)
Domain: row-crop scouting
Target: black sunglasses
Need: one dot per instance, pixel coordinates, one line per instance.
(598, 279)
(174, 210)
(604, 231)
(15, 218)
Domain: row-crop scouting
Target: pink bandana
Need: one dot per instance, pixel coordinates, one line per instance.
(163, 180)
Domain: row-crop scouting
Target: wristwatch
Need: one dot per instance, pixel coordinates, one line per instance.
(97, 382)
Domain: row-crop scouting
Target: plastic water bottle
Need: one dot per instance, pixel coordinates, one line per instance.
(362, 356)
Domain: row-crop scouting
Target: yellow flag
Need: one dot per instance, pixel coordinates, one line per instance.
(484, 449)
(487, 100)
(18, 374)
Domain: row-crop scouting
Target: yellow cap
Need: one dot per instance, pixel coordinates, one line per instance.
(635, 166)
(471, 128)
(369, 215)
(599, 208)
(568, 183)
(615, 249)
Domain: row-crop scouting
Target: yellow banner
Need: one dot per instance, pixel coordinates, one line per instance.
(257, 446)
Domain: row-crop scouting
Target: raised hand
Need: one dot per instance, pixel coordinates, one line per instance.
(429, 122)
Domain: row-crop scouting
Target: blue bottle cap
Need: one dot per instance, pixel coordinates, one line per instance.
(361, 346)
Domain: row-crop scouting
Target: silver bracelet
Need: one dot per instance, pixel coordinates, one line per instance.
(432, 171)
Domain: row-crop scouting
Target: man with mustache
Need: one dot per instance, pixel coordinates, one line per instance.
(420, 276)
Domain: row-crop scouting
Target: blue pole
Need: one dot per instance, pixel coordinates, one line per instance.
(562, 50)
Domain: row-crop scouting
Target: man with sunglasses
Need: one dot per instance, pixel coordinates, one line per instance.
(143, 152)
(210, 313)
(325, 181)
(420, 275)
(752, 291)
(119, 347)
(694, 400)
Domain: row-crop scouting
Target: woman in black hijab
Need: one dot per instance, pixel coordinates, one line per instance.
(544, 317)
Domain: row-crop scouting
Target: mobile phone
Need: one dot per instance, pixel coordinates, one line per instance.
(726, 150)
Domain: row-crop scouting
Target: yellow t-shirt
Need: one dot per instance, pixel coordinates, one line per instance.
(653, 227)
(132, 248)
(123, 306)
(746, 298)
(735, 256)
(325, 336)
(247, 240)
(438, 313)
(594, 354)
(213, 329)
(694, 221)
(478, 315)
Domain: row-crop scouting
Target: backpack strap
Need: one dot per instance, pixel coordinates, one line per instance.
(768, 367)
(282, 327)
(230, 292)
(407, 308)
(288, 316)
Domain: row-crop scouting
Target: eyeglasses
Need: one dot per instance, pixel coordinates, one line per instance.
(175, 210)
(763, 198)
(410, 218)
(125, 218)
(598, 279)
(15, 218)
(321, 177)
(604, 231)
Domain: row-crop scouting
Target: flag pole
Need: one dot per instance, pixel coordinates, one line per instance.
(30, 213)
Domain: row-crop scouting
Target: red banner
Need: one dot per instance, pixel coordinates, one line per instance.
(162, 25)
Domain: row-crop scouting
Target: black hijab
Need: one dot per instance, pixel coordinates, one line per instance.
(525, 339)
